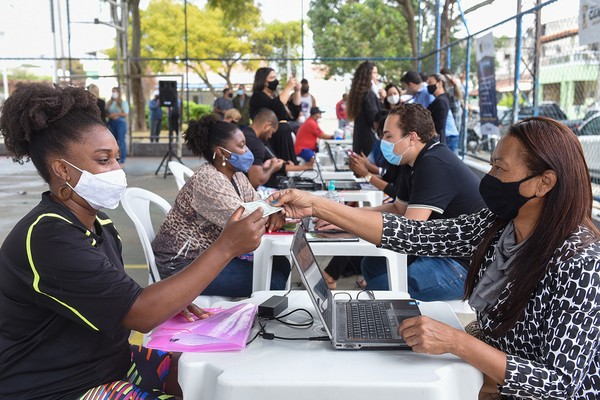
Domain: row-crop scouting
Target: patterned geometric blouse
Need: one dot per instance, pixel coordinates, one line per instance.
(553, 350)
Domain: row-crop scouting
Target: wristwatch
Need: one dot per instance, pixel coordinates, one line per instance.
(368, 178)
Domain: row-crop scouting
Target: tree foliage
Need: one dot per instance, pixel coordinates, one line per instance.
(361, 28)
(281, 40)
(215, 42)
(221, 36)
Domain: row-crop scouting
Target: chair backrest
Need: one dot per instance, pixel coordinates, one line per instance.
(136, 202)
(180, 172)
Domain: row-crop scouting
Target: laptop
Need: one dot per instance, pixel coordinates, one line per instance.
(338, 168)
(350, 324)
(339, 184)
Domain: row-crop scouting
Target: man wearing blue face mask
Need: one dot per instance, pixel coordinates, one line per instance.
(435, 184)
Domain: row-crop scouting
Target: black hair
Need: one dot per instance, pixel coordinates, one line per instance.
(204, 135)
(266, 115)
(260, 79)
(411, 77)
(39, 121)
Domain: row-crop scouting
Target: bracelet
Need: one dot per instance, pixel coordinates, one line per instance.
(368, 178)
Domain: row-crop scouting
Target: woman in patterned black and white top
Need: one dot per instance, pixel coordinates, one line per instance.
(534, 278)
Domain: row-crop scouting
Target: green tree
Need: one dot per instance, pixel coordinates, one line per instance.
(280, 40)
(217, 41)
(365, 29)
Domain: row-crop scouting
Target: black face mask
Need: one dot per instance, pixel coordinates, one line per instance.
(273, 84)
(431, 88)
(503, 198)
(230, 95)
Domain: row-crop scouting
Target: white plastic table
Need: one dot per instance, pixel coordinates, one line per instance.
(279, 245)
(372, 198)
(294, 370)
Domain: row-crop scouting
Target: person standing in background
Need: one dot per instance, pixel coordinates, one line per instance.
(340, 112)
(224, 103)
(307, 101)
(440, 107)
(156, 115)
(363, 105)
(392, 97)
(93, 89)
(413, 84)
(242, 104)
(455, 95)
(118, 110)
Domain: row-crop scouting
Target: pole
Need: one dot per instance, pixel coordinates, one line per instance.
(302, 29)
(536, 59)
(69, 39)
(53, 29)
(438, 34)
(518, 45)
(419, 36)
(467, 77)
(60, 36)
(187, 81)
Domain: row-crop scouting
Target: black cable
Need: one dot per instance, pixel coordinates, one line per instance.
(270, 336)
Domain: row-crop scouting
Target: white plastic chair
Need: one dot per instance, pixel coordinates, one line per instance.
(136, 202)
(180, 172)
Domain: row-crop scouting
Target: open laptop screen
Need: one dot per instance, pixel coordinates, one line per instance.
(311, 276)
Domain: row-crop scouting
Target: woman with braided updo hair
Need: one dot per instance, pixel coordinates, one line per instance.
(66, 303)
(205, 203)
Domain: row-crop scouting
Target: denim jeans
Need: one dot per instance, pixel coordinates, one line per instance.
(118, 127)
(235, 279)
(452, 143)
(429, 278)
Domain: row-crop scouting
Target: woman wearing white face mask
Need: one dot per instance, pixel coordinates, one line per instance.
(67, 303)
(392, 96)
(118, 109)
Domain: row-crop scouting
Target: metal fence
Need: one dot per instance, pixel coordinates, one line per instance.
(540, 69)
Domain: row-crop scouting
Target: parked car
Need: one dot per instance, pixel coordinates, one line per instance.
(545, 109)
(589, 136)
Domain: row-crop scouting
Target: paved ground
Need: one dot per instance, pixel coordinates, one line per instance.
(20, 189)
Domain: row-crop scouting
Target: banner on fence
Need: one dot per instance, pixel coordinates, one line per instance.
(589, 21)
(486, 75)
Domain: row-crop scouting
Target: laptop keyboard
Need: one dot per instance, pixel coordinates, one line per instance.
(368, 320)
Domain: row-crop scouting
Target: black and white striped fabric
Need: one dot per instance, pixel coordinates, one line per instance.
(553, 350)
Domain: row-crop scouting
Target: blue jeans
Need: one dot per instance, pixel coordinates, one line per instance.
(429, 278)
(118, 127)
(235, 279)
(452, 143)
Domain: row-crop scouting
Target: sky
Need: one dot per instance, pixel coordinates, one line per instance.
(25, 28)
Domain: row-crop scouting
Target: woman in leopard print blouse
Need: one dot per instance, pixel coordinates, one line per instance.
(534, 278)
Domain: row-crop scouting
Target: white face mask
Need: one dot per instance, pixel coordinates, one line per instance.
(115, 95)
(100, 190)
(393, 99)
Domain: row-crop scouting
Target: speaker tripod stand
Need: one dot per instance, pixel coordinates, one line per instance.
(169, 155)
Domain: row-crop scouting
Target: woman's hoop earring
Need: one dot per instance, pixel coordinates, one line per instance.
(65, 192)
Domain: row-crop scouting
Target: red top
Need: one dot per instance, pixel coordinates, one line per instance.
(307, 136)
(340, 110)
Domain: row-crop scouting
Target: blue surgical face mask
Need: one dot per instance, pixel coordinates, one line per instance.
(387, 149)
(241, 162)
